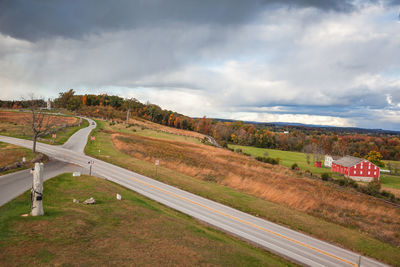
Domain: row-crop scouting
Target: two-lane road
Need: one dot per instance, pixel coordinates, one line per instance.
(280, 240)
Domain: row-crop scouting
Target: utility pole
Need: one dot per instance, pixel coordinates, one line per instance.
(37, 190)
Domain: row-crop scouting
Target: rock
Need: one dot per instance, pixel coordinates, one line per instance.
(75, 201)
(89, 201)
(119, 197)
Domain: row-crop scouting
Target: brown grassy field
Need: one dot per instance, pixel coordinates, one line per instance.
(17, 124)
(163, 128)
(10, 154)
(273, 183)
(20, 118)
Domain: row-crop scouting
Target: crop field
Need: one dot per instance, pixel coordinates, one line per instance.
(354, 220)
(131, 231)
(16, 124)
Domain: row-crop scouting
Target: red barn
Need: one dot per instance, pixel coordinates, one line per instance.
(356, 168)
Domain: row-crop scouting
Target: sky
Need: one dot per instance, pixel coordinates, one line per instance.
(307, 61)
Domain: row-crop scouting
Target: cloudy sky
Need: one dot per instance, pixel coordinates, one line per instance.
(309, 61)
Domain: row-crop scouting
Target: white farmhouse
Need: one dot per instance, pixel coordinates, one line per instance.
(329, 159)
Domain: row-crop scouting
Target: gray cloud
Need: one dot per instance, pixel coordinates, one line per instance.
(267, 60)
(35, 19)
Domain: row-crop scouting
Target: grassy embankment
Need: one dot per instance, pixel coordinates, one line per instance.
(10, 154)
(271, 192)
(133, 231)
(15, 124)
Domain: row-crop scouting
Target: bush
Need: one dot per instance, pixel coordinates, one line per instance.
(239, 150)
(224, 144)
(268, 160)
(247, 154)
(372, 188)
(325, 176)
(295, 166)
(341, 182)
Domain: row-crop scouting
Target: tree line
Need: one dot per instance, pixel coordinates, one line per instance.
(289, 138)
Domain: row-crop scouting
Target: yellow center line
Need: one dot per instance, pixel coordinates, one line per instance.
(245, 222)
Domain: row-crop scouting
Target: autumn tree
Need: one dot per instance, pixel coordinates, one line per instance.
(376, 158)
(64, 98)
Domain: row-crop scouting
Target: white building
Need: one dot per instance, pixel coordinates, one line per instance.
(48, 104)
(329, 159)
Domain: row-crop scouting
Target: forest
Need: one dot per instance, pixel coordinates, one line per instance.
(320, 140)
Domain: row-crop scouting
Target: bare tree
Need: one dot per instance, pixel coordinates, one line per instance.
(40, 122)
(129, 104)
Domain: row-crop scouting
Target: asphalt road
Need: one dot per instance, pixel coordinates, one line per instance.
(14, 184)
(298, 247)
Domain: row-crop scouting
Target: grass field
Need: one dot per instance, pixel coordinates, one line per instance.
(10, 154)
(134, 231)
(14, 124)
(287, 158)
(293, 196)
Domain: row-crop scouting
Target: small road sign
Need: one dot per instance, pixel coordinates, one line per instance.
(157, 162)
(92, 138)
(53, 135)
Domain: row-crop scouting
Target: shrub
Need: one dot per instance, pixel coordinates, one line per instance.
(294, 166)
(341, 182)
(325, 176)
(224, 144)
(239, 150)
(373, 188)
(268, 160)
(247, 154)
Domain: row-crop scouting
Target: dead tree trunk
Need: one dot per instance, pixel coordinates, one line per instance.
(37, 190)
(128, 113)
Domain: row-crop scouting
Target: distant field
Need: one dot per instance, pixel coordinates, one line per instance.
(287, 158)
(261, 189)
(391, 181)
(135, 231)
(15, 124)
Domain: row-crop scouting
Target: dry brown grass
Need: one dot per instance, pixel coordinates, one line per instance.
(17, 124)
(273, 183)
(163, 128)
(10, 154)
(23, 118)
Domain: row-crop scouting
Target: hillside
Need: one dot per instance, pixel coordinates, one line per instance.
(272, 192)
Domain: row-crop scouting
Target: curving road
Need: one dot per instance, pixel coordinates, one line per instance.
(298, 247)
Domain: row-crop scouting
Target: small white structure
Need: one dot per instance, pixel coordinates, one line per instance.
(37, 190)
(48, 103)
(329, 159)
